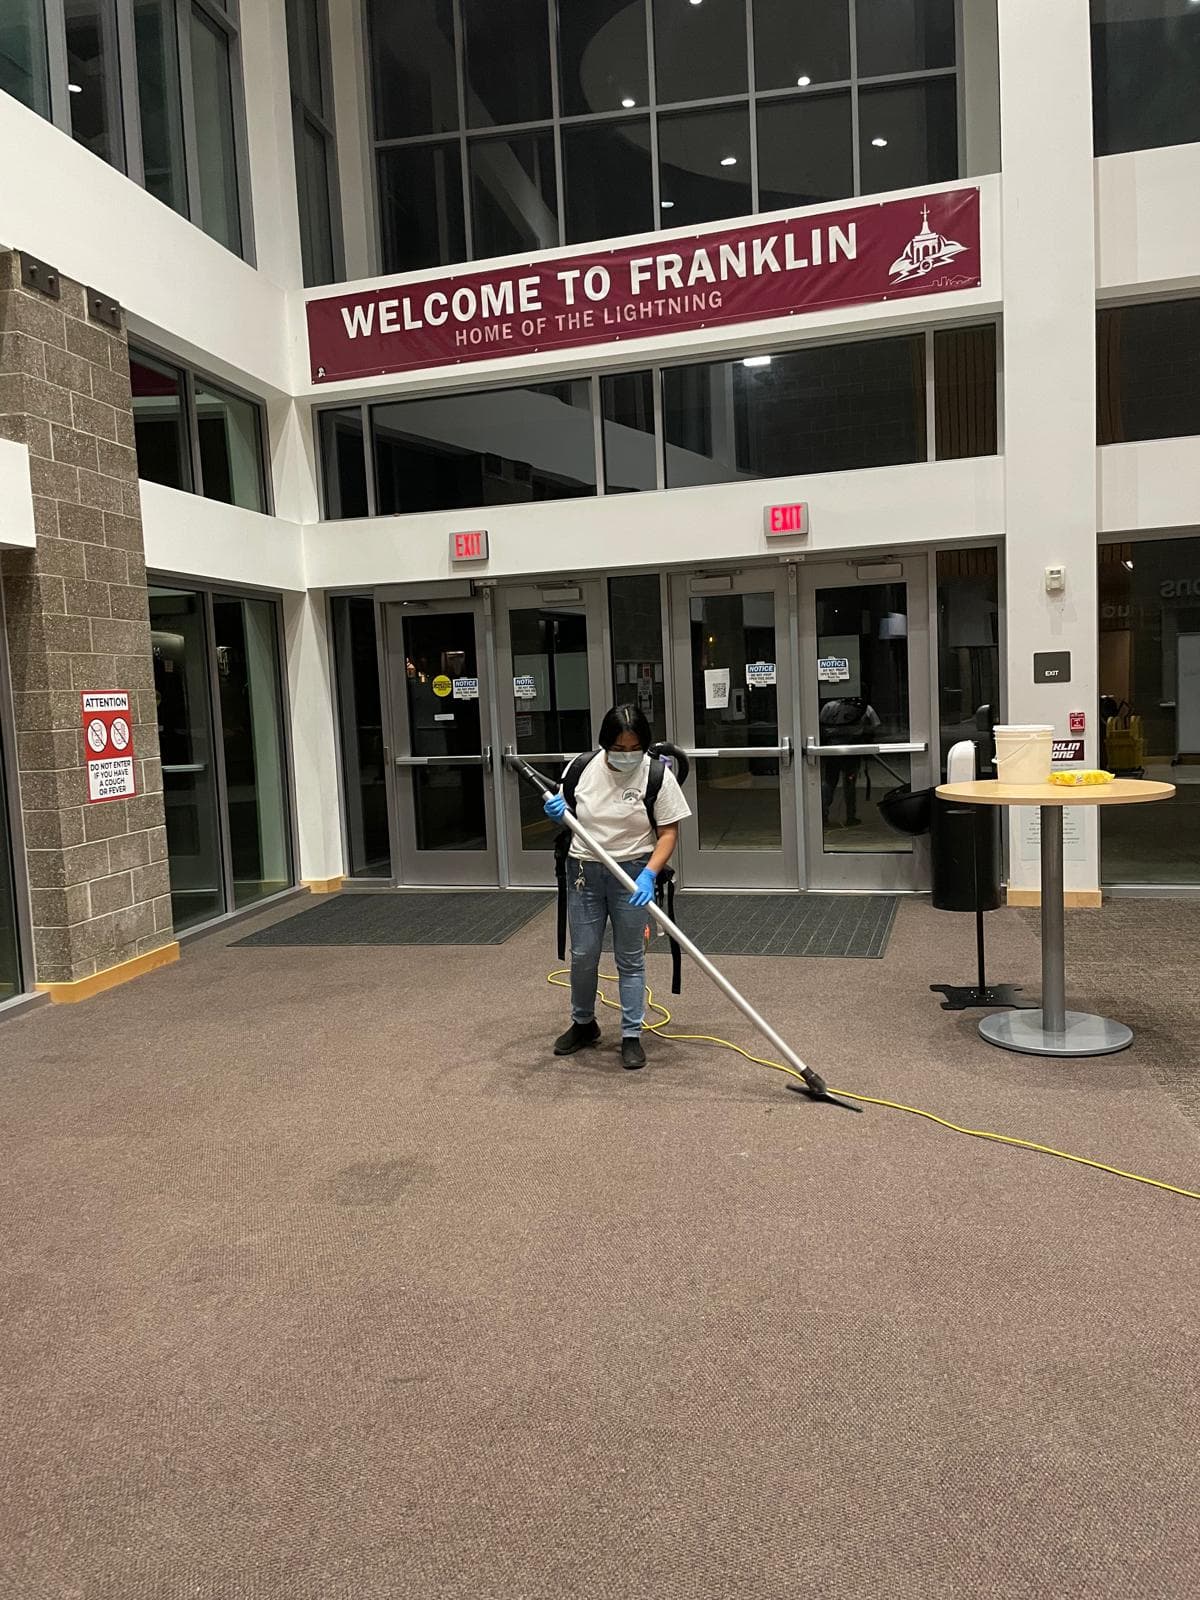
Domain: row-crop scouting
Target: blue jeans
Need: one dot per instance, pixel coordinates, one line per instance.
(603, 898)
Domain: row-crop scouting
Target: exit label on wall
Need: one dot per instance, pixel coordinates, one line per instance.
(1052, 666)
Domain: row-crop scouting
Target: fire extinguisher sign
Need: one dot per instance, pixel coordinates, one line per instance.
(108, 746)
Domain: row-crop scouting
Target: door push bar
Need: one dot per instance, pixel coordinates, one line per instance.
(483, 760)
(814, 751)
(727, 752)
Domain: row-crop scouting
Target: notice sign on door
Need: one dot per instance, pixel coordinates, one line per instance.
(833, 669)
(108, 742)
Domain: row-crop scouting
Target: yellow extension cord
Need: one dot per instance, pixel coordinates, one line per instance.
(557, 979)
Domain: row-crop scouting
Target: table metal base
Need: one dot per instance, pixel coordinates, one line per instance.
(961, 997)
(1083, 1035)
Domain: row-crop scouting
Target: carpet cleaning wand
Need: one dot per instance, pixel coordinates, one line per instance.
(815, 1084)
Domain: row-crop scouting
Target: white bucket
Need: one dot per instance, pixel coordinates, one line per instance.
(1023, 752)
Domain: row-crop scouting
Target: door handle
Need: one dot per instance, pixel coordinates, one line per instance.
(814, 751)
(733, 750)
(445, 761)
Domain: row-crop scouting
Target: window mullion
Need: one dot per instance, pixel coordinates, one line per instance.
(131, 120)
(191, 143)
(56, 52)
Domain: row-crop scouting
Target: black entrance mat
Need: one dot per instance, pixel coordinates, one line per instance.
(447, 916)
(855, 925)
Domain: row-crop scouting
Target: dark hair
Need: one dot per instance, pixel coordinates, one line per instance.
(624, 719)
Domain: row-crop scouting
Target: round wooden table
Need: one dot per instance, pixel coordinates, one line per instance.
(1053, 1030)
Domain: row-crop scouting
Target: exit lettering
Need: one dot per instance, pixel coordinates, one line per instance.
(785, 520)
(471, 546)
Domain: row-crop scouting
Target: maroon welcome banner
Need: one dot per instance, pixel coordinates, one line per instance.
(889, 250)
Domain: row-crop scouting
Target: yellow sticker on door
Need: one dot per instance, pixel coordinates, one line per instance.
(441, 686)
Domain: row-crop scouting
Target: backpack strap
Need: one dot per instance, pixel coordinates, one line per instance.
(654, 783)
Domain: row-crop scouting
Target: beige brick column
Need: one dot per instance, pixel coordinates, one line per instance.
(77, 619)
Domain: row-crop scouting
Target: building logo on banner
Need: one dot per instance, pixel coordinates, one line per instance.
(924, 252)
(108, 735)
(852, 255)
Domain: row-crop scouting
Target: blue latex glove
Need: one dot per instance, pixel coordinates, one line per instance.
(644, 892)
(555, 806)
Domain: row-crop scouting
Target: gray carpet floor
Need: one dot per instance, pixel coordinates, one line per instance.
(321, 1280)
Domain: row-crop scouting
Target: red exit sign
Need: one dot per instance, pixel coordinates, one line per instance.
(469, 546)
(780, 521)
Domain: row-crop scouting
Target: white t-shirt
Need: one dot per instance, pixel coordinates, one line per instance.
(612, 807)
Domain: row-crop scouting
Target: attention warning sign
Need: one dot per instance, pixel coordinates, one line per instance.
(108, 743)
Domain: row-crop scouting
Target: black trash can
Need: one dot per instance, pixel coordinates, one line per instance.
(907, 810)
(965, 845)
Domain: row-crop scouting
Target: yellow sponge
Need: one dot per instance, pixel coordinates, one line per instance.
(1070, 779)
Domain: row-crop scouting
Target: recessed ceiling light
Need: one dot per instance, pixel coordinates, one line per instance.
(667, 204)
(803, 83)
(729, 161)
(75, 88)
(880, 144)
(757, 361)
(1126, 562)
(629, 102)
(695, 2)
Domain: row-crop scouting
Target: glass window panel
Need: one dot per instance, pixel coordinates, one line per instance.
(10, 954)
(514, 204)
(316, 220)
(737, 798)
(497, 447)
(704, 165)
(160, 102)
(635, 628)
(24, 70)
(252, 738)
(178, 638)
(306, 53)
(868, 625)
(1148, 371)
(805, 151)
(412, 67)
(831, 408)
(608, 182)
(549, 644)
(1145, 74)
(627, 407)
(449, 807)
(364, 770)
(159, 423)
(968, 630)
(699, 50)
(918, 123)
(1149, 602)
(231, 455)
(93, 78)
(343, 463)
(964, 388)
(421, 206)
(212, 99)
(602, 55)
(507, 61)
(798, 44)
(903, 35)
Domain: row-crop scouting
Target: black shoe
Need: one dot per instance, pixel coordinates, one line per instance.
(577, 1037)
(632, 1054)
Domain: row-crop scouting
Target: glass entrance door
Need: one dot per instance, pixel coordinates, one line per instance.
(441, 744)
(864, 673)
(733, 691)
(551, 688)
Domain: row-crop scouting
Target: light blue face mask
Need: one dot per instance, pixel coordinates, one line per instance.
(624, 760)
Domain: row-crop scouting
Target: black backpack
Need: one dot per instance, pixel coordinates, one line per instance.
(661, 756)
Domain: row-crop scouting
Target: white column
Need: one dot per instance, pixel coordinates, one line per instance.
(1047, 212)
(348, 62)
(314, 738)
(272, 154)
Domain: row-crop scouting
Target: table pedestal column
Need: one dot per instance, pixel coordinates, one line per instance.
(1053, 1030)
